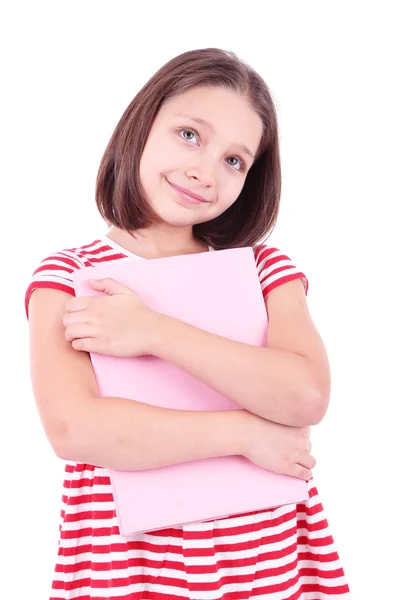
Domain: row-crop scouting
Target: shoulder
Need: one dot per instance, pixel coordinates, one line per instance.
(55, 271)
(276, 268)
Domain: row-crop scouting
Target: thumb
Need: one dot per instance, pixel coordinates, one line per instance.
(109, 286)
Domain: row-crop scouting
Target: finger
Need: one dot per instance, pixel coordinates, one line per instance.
(109, 286)
(79, 330)
(305, 459)
(90, 344)
(84, 344)
(75, 304)
(301, 472)
(74, 318)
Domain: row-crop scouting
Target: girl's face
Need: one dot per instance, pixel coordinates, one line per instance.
(206, 158)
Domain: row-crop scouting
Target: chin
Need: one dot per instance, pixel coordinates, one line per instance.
(170, 211)
(176, 221)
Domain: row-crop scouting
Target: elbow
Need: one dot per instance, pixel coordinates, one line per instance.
(69, 451)
(69, 436)
(61, 442)
(62, 447)
(314, 406)
(315, 394)
(61, 451)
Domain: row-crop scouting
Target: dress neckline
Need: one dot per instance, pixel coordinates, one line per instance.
(112, 244)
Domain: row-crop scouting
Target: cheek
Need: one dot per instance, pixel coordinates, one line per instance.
(160, 158)
(231, 190)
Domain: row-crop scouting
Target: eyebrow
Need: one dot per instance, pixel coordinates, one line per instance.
(209, 126)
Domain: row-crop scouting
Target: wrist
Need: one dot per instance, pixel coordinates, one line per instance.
(159, 333)
(240, 427)
(234, 431)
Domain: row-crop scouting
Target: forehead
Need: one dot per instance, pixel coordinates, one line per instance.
(227, 114)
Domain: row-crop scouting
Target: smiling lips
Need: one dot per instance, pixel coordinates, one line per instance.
(187, 195)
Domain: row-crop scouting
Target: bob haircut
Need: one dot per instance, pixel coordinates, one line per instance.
(119, 195)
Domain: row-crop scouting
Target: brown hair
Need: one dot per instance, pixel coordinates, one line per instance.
(119, 195)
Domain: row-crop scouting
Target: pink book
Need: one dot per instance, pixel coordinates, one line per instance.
(218, 292)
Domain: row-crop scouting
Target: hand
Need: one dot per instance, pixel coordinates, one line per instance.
(279, 448)
(118, 323)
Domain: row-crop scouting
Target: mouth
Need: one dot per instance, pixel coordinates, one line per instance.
(186, 195)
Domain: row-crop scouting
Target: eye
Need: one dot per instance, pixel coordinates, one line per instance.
(240, 160)
(190, 130)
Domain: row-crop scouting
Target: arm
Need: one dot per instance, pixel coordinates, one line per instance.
(287, 382)
(115, 433)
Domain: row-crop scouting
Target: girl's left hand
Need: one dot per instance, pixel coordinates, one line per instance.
(118, 324)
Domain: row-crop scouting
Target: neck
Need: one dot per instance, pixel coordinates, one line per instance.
(151, 243)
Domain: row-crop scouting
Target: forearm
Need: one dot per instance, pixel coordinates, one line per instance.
(122, 434)
(273, 384)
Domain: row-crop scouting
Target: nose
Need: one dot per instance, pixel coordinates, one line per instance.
(204, 171)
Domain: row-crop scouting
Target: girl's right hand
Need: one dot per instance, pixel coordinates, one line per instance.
(279, 448)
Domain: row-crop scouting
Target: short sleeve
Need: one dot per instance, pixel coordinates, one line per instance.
(276, 268)
(55, 272)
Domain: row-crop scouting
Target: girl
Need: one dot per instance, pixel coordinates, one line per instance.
(192, 166)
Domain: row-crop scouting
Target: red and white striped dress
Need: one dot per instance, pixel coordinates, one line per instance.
(284, 553)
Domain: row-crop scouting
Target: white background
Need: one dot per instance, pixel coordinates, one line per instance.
(69, 69)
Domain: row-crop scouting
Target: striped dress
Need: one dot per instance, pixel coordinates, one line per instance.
(283, 553)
